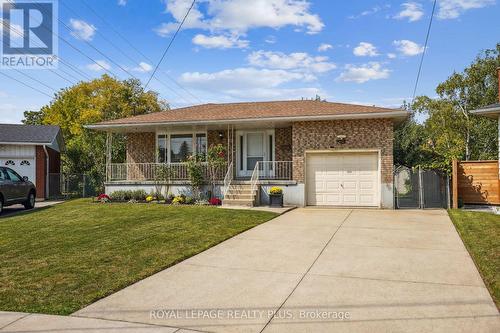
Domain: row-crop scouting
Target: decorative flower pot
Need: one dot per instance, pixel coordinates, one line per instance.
(276, 200)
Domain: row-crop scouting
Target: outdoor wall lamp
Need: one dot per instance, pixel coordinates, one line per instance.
(221, 135)
(340, 139)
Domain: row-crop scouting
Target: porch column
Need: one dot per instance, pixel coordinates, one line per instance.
(109, 144)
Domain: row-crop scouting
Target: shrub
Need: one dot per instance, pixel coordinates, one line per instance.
(122, 195)
(275, 190)
(202, 202)
(189, 201)
(103, 198)
(179, 200)
(215, 201)
(138, 195)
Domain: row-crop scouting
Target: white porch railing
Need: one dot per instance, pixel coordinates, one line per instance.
(149, 171)
(275, 170)
(264, 170)
(270, 170)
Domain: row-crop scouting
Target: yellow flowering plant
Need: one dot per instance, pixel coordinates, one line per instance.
(275, 190)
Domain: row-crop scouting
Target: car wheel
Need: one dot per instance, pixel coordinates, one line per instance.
(30, 203)
(1, 205)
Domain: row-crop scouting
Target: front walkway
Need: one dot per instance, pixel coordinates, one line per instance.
(309, 268)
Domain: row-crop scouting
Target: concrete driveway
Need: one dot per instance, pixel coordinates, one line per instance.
(319, 270)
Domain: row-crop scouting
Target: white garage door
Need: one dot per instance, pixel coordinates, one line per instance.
(342, 179)
(23, 166)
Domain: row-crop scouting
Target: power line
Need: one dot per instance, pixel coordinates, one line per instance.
(132, 46)
(75, 48)
(25, 84)
(425, 49)
(125, 54)
(170, 44)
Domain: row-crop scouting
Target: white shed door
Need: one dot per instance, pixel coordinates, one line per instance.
(23, 166)
(342, 179)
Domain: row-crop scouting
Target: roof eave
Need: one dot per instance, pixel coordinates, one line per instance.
(396, 115)
(488, 112)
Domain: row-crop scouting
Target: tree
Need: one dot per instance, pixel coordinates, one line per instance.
(477, 86)
(98, 100)
(450, 130)
(33, 118)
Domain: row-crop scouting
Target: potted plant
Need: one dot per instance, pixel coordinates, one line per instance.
(276, 197)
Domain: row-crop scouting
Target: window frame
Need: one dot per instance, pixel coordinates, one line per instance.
(169, 133)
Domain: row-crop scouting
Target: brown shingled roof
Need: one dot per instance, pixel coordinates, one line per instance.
(251, 110)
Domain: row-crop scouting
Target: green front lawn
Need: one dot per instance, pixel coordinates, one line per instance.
(60, 259)
(481, 235)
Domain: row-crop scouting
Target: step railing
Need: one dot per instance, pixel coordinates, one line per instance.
(227, 179)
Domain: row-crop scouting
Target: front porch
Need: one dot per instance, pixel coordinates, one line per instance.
(148, 172)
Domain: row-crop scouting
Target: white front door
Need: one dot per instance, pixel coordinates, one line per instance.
(343, 179)
(253, 147)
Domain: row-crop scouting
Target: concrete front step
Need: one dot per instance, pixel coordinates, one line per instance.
(237, 202)
(247, 196)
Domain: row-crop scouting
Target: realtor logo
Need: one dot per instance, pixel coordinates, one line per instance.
(29, 34)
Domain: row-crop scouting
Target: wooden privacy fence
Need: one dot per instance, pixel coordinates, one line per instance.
(475, 182)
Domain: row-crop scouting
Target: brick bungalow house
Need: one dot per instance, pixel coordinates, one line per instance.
(320, 153)
(33, 151)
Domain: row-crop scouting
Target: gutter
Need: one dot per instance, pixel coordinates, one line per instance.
(47, 172)
(487, 110)
(393, 114)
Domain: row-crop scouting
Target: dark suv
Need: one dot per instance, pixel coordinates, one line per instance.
(15, 189)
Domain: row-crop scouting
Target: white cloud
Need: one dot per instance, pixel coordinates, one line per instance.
(365, 49)
(413, 11)
(364, 73)
(450, 9)
(295, 61)
(82, 30)
(122, 2)
(391, 55)
(143, 67)
(368, 12)
(219, 42)
(16, 31)
(100, 65)
(324, 47)
(240, 78)
(408, 48)
(250, 84)
(239, 16)
(270, 39)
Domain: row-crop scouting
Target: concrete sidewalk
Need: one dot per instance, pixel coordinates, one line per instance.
(25, 322)
(319, 270)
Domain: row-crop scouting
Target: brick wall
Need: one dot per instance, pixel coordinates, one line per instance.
(141, 148)
(361, 134)
(283, 144)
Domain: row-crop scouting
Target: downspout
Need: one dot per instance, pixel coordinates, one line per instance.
(46, 171)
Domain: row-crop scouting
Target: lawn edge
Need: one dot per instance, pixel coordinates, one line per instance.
(488, 287)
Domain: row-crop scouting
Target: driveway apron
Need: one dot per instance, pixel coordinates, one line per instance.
(319, 270)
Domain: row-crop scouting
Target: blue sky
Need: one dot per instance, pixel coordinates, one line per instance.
(238, 50)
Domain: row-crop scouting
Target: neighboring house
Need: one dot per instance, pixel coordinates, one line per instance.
(478, 182)
(34, 152)
(321, 153)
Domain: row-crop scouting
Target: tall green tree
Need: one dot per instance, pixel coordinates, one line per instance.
(102, 99)
(476, 86)
(450, 130)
